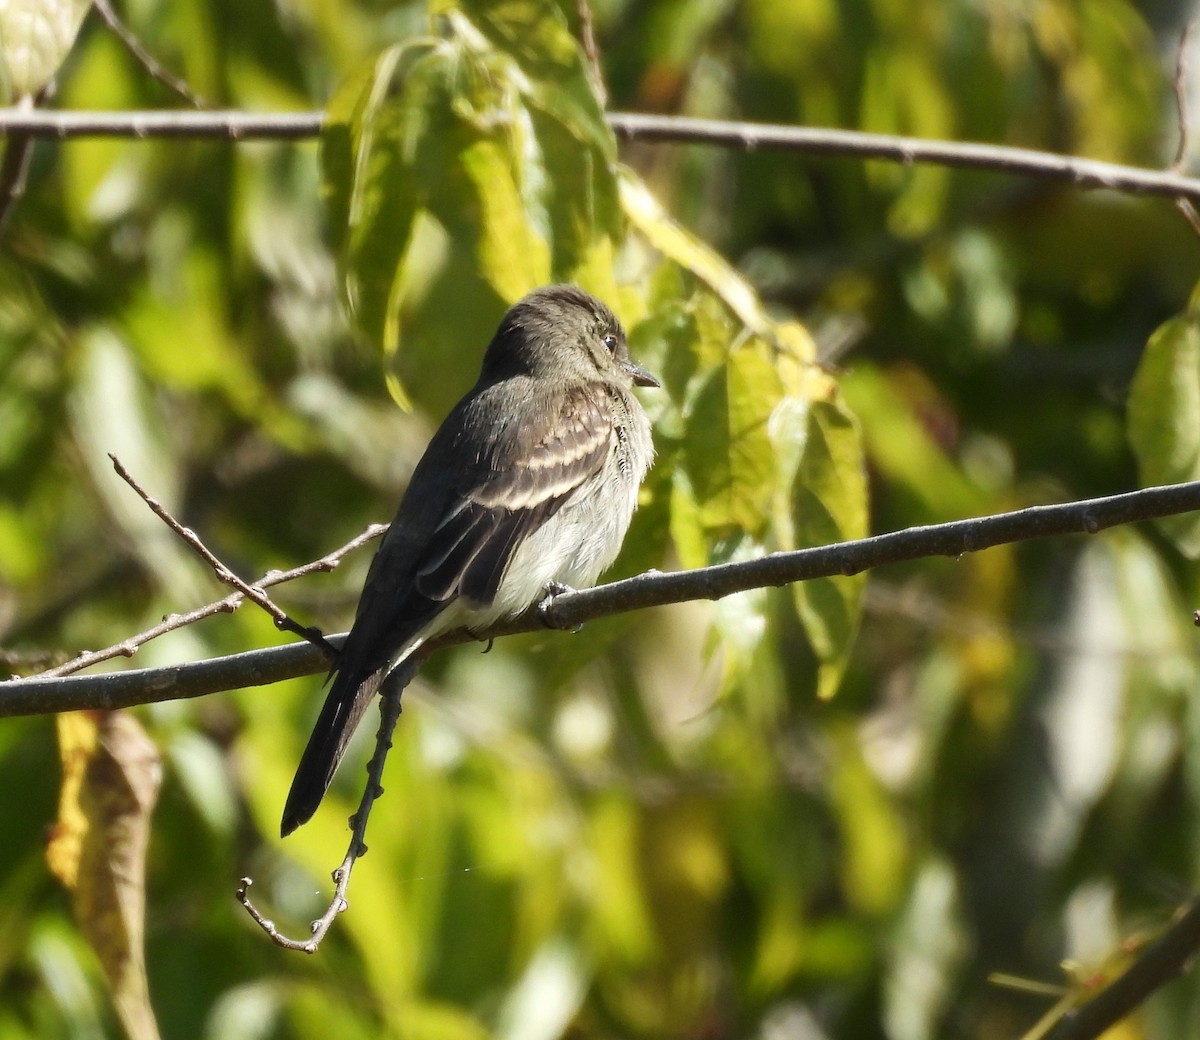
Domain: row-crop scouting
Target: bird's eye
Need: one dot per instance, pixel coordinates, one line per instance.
(610, 341)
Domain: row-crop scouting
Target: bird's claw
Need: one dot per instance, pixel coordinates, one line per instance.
(478, 634)
(553, 588)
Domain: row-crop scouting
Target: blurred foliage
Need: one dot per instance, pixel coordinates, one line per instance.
(663, 826)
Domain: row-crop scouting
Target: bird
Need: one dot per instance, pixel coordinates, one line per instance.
(528, 485)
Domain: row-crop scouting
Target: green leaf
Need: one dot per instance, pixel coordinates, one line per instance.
(770, 453)
(348, 118)
(569, 154)
(113, 409)
(825, 502)
(369, 185)
(728, 451)
(479, 204)
(1164, 415)
(917, 465)
(463, 172)
(876, 846)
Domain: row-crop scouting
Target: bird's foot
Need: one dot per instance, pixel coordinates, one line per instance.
(553, 588)
(480, 635)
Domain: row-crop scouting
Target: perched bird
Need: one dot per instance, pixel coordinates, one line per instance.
(530, 481)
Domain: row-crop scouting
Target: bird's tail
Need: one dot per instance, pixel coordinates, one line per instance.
(348, 699)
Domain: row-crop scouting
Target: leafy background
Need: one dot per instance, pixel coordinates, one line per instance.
(664, 826)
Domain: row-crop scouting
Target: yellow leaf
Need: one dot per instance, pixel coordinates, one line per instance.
(111, 775)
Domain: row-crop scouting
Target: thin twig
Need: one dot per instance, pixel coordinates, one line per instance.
(1180, 87)
(1181, 122)
(389, 715)
(13, 168)
(1189, 213)
(143, 57)
(587, 37)
(20, 660)
(129, 647)
(224, 575)
(235, 126)
(1159, 963)
(15, 164)
(37, 695)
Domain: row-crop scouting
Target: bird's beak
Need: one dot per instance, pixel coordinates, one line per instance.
(640, 376)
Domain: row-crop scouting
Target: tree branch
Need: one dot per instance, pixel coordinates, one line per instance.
(154, 68)
(15, 162)
(1181, 123)
(389, 714)
(1179, 87)
(236, 126)
(1160, 962)
(1082, 173)
(254, 593)
(35, 696)
(130, 646)
(220, 124)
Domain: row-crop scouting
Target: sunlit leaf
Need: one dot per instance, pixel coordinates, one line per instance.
(895, 410)
(827, 504)
(928, 948)
(728, 446)
(1164, 414)
(111, 776)
(547, 996)
(367, 156)
(114, 412)
(460, 167)
(102, 178)
(694, 255)
(873, 858)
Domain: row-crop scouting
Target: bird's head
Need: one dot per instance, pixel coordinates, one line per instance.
(562, 332)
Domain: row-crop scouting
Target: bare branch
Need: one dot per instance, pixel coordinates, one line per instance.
(224, 575)
(235, 126)
(1082, 173)
(389, 715)
(950, 539)
(38, 695)
(143, 57)
(1159, 963)
(129, 647)
(1181, 121)
(224, 124)
(15, 163)
(1179, 84)
(1189, 213)
(13, 168)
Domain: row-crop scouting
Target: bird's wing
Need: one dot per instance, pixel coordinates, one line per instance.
(471, 548)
